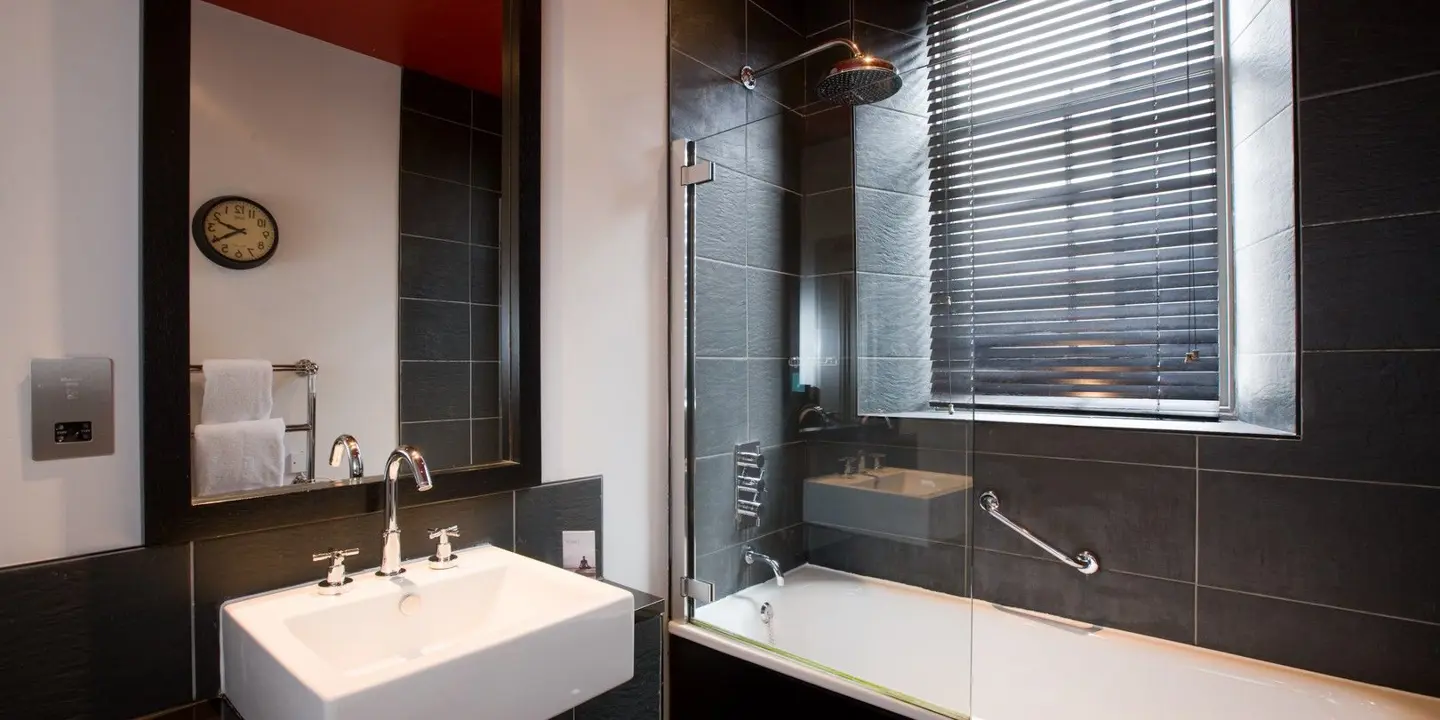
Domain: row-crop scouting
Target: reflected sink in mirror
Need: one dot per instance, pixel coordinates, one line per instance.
(499, 636)
(893, 501)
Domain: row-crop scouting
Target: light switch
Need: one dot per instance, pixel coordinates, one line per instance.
(72, 408)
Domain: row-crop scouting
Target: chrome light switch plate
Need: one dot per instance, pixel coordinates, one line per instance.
(72, 408)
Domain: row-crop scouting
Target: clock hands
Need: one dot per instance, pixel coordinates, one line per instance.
(232, 233)
(232, 227)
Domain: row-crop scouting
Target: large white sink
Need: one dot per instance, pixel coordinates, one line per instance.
(500, 636)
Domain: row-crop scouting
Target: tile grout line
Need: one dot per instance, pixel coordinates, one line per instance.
(469, 284)
(1372, 218)
(1369, 86)
(1195, 601)
(1053, 561)
(1370, 613)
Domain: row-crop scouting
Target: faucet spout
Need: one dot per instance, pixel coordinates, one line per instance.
(347, 447)
(751, 556)
(411, 457)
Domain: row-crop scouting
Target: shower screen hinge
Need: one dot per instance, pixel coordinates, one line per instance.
(703, 171)
(698, 589)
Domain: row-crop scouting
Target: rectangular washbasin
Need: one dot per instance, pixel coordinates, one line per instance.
(894, 501)
(499, 636)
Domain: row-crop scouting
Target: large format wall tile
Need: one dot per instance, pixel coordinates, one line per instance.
(721, 214)
(1371, 153)
(828, 232)
(434, 391)
(894, 317)
(772, 223)
(720, 295)
(434, 269)
(544, 511)
(922, 563)
(769, 313)
(431, 330)
(1369, 648)
(826, 161)
(906, 16)
(1361, 546)
(773, 149)
(703, 102)
(769, 41)
(1343, 267)
(892, 233)
(1366, 416)
(727, 570)
(1135, 518)
(892, 151)
(433, 96)
(769, 383)
(713, 498)
(1346, 45)
(434, 208)
(711, 31)
(721, 406)
(1085, 443)
(98, 636)
(1158, 608)
(434, 147)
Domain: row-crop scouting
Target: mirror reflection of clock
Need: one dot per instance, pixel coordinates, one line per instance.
(235, 232)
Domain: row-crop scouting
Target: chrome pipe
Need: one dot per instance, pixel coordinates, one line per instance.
(390, 556)
(749, 75)
(1085, 561)
(751, 556)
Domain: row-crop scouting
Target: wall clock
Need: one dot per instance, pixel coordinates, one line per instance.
(235, 232)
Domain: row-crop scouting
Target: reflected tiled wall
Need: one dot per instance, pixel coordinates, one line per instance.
(449, 271)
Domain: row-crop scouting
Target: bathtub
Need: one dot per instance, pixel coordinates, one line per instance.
(910, 651)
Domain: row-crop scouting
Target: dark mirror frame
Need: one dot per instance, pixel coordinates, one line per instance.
(170, 517)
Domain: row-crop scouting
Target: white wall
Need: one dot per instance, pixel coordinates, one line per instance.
(604, 262)
(69, 196)
(312, 132)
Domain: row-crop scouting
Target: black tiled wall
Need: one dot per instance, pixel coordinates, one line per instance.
(110, 636)
(449, 271)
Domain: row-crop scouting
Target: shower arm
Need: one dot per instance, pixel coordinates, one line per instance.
(749, 75)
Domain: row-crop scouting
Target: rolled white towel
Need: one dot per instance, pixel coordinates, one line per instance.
(237, 390)
(234, 457)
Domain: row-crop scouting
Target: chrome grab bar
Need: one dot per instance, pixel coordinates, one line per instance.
(1085, 561)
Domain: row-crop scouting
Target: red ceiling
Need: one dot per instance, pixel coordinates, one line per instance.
(459, 40)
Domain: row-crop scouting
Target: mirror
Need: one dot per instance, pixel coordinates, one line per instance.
(349, 273)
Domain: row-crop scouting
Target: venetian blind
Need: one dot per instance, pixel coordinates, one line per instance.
(1074, 240)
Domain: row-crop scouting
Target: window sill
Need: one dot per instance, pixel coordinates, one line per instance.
(1205, 427)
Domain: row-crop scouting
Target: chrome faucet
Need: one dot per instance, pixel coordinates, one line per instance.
(347, 446)
(751, 556)
(390, 539)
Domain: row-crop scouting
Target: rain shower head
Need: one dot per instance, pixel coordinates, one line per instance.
(857, 80)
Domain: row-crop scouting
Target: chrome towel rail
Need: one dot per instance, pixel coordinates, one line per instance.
(1085, 561)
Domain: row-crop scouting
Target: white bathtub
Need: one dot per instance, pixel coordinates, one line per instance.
(909, 645)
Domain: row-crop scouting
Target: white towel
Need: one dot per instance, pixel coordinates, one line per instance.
(232, 457)
(237, 390)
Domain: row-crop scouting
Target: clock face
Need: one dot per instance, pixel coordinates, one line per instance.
(235, 232)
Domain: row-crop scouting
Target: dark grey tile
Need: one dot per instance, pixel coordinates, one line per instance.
(434, 391)
(773, 227)
(828, 232)
(892, 151)
(817, 66)
(1134, 518)
(97, 636)
(486, 161)
(484, 332)
(714, 498)
(906, 16)
(712, 31)
(1158, 608)
(431, 330)
(485, 217)
(770, 313)
(790, 12)
(892, 233)
(638, 698)
(433, 269)
(1370, 153)
(727, 568)
(894, 316)
(770, 41)
(938, 434)
(434, 147)
(921, 563)
(773, 149)
(486, 442)
(1367, 648)
(240, 565)
(825, 162)
(891, 385)
(434, 208)
(489, 112)
(1343, 267)
(484, 389)
(906, 51)
(1352, 545)
(914, 95)
(725, 148)
(719, 309)
(720, 406)
(434, 96)
(721, 215)
(446, 444)
(484, 275)
(1344, 46)
(704, 103)
(823, 15)
(770, 400)
(1365, 416)
(544, 511)
(1083, 443)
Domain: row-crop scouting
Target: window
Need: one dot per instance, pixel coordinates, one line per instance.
(1078, 252)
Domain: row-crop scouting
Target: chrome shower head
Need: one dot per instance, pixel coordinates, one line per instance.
(857, 80)
(860, 81)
